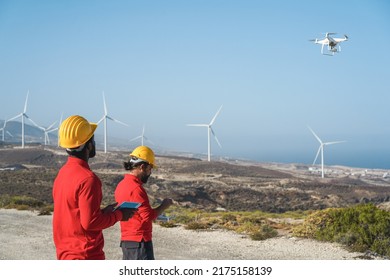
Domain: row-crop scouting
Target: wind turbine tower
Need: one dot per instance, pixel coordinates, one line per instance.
(105, 118)
(321, 149)
(24, 115)
(209, 132)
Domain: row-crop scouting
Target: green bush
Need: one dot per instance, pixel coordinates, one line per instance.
(168, 224)
(263, 233)
(20, 202)
(361, 228)
(25, 203)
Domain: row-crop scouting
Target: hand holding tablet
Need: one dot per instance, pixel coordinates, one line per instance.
(128, 205)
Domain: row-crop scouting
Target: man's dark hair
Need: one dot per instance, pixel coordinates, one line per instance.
(133, 162)
(77, 153)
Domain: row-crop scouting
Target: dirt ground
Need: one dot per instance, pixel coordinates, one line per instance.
(26, 236)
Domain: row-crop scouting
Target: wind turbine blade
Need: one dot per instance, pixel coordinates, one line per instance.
(62, 116)
(206, 125)
(118, 121)
(9, 133)
(135, 138)
(315, 135)
(34, 123)
(101, 119)
(11, 119)
(215, 116)
(215, 137)
(25, 104)
(147, 139)
(335, 142)
(319, 149)
(50, 126)
(104, 103)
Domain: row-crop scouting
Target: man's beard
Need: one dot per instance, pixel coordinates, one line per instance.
(144, 178)
(92, 153)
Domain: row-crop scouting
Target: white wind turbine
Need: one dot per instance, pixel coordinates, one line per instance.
(24, 115)
(47, 130)
(321, 149)
(142, 137)
(3, 129)
(105, 117)
(209, 131)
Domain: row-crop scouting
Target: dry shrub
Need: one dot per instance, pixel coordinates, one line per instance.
(196, 226)
(168, 224)
(361, 228)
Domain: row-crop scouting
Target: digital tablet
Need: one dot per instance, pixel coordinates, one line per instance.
(127, 204)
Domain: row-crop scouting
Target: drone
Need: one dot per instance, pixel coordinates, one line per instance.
(332, 43)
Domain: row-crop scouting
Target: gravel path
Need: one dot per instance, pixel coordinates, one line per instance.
(26, 236)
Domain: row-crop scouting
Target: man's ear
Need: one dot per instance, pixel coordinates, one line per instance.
(90, 146)
(143, 166)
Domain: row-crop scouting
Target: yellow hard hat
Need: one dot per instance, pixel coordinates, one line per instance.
(144, 153)
(75, 131)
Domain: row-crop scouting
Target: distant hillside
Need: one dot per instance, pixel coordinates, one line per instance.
(194, 183)
(34, 136)
(13, 133)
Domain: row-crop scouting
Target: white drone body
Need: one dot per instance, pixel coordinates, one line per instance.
(332, 43)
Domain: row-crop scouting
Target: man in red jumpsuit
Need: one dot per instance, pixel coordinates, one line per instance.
(136, 233)
(78, 221)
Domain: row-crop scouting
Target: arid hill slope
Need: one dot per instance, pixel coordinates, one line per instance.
(195, 183)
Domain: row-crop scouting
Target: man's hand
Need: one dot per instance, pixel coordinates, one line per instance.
(108, 209)
(127, 213)
(166, 203)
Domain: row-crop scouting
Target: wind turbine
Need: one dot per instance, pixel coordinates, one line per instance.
(24, 115)
(105, 117)
(142, 137)
(209, 131)
(47, 130)
(321, 149)
(3, 129)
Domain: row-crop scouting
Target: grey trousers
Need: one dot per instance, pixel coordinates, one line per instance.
(133, 250)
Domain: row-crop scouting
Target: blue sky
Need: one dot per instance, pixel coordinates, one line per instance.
(165, 64)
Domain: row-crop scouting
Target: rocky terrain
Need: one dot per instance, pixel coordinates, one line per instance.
(224, 184)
